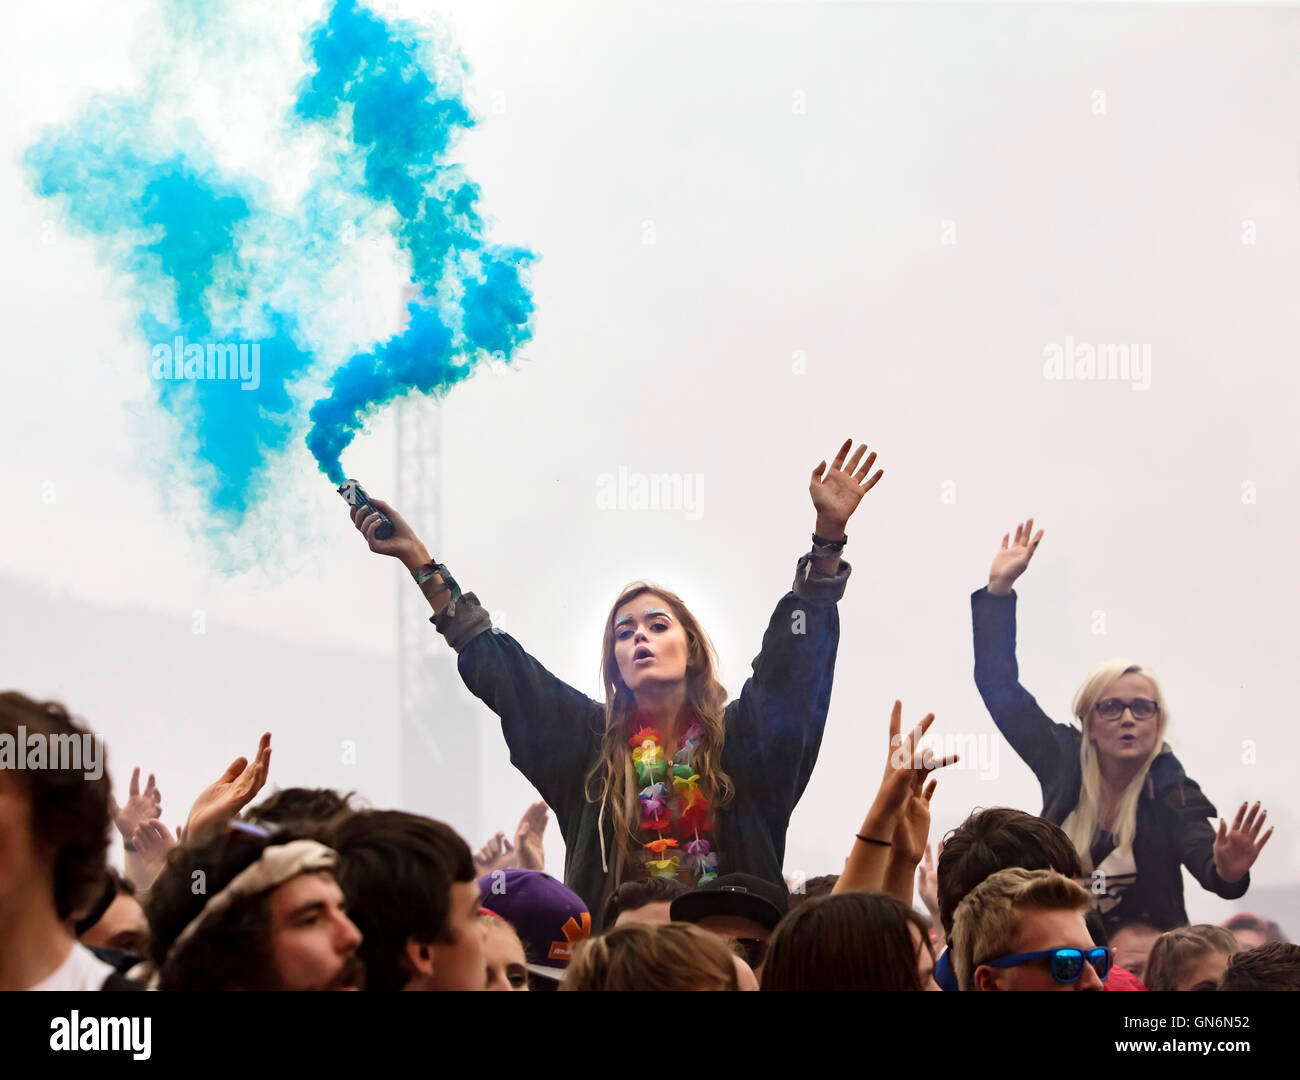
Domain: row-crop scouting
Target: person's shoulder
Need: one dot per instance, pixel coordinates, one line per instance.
(1166, 776)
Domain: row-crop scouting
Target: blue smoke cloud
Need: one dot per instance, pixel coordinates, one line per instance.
(208, 256)
(403, 124)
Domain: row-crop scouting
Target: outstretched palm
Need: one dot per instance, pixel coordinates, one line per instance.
(836, 492)
(1235, 849)
(231, 791)
(1013, 558)
(140, 805)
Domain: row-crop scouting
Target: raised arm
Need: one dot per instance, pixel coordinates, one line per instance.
(781, 712)
(893, 835)
(1029, 730)
(550, 727)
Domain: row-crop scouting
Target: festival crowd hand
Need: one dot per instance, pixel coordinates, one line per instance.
(894, 833)
(836, 492)
(403, 544)
(152, 841)
(497, 854)
(1235, 849)
(528, 837)
(231, 792)
(1013, 558)
(908, 787)
(140, 806)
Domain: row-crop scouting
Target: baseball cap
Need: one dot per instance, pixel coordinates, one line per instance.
(549, 917)
(743, 895)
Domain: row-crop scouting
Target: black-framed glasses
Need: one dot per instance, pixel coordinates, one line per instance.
(1066, 964)
(1112, 708)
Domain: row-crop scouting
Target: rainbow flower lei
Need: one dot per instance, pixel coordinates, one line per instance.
(664, 781)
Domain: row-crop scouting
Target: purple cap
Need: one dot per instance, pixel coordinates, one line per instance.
(549, 917)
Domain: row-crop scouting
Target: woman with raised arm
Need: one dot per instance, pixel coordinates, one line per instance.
(1112, 783)
(665, 777)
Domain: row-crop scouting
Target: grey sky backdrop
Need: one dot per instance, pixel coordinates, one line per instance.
(763, 227)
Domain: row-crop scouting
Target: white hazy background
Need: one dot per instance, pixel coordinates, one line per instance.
(721, 195)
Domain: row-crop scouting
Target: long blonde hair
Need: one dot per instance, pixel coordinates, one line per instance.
(1085, 822)
(612, 780)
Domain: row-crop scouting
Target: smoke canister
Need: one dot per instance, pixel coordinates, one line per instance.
(355, 495)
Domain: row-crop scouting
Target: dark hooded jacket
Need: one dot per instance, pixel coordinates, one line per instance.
(773, 731)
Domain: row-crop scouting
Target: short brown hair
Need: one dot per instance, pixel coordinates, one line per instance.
(397, 871)
(846, 941)
(634, 895)
(988, 920)
(672, 956)
(1274, 966)
(996, 839)
(1175, 949)
(69, 814)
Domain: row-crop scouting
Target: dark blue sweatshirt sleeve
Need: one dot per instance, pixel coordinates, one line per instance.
(550, 727)
(1196, 838)
(1041, 743)
(781, 712)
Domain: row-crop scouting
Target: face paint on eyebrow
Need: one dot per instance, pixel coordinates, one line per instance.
(625, 618)
(656, 611)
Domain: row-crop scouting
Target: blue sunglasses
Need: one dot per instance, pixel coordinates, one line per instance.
(1066, 965)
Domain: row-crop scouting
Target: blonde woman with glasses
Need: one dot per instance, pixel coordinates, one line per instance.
(1111, 783)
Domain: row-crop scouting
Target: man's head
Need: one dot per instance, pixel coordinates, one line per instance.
(116, 921)
(1131, 945)
(1189, 958)
(410, 885)
(1272, 966)
(54, 822)
(643, 901)
(740, 908)
(1007, 931)
(1251, 931)
(300, 805)
(997, 839)
(248, 908)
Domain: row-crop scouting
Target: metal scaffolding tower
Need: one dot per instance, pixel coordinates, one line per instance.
(438, 736)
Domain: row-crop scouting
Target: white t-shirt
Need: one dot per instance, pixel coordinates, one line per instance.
(82, 970)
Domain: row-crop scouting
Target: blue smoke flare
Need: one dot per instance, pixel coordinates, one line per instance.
(211, 261)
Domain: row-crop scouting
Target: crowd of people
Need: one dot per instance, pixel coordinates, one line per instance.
(673, 803)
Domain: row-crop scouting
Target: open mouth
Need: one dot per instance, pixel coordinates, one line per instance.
(642, 653)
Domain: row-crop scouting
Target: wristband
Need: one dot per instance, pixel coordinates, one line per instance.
(425, 572)
(128, 846)
(829, 545)
(869, 840)
(430, 570)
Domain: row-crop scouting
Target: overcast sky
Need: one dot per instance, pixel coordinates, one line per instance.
(763, 228)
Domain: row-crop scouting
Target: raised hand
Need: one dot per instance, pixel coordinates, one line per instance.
(1235, 849)
(403, 544)
(231, 791)
(497, 854)
(152, 841)
(528, 837)
(140, 805)
(906, 770)
(836, 492)
(892, 838)
(1012, 559)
